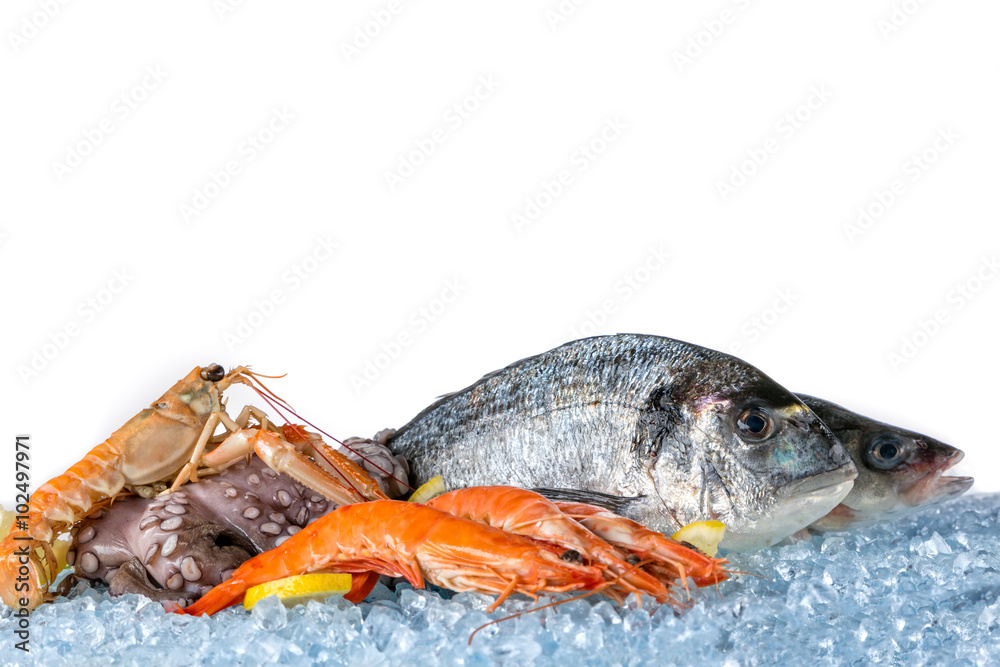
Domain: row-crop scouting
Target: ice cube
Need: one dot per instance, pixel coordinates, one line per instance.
(931, 547)
(270, 614)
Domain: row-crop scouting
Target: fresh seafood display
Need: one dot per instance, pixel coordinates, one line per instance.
(177, 546)
(657, 430)
(899, 471)
(421, 542)
(623, 438)
(165, 442)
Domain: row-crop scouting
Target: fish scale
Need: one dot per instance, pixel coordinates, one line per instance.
(645, 425)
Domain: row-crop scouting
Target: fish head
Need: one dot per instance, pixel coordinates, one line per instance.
(899, 471)
(768, 466)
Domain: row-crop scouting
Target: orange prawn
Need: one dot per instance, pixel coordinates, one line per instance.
(525, 512)
(416, 542)
(669, 557)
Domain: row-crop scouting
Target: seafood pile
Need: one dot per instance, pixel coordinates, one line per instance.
(623, 437)
(458, 542)
(169, 441)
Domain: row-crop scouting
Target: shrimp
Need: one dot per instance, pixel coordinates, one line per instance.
(416, 542)
(525, 512)
(670, 558)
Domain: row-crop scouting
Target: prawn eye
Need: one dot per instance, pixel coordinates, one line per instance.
(213, 373)
(885, 452)
(755, 424)
(572, 556)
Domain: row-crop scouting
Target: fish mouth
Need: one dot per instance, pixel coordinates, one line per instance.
(935, 488)
(798, 505)
(835, 483)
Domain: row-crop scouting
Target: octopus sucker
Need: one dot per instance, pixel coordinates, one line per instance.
(169, 546)
(270, 528)
(173, 523)
(89, 562)
(148, 521)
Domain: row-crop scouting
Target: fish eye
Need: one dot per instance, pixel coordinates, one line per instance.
(213, 373)
(755, 424)
(885, 452)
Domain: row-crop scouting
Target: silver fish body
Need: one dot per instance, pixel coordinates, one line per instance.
(662, 431)
(899, 471)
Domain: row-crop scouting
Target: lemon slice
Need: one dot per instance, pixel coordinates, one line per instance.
(703, 536)
(296, 590)
(60, 548)
(6, 521)
(433, 488)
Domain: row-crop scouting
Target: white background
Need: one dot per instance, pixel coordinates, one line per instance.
(887, 91)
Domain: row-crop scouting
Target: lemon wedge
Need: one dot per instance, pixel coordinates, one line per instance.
(60, 548)
(433, 488)
(6, 521)
(299, 589)
(703, 536)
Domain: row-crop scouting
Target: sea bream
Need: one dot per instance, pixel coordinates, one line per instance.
(899, 471)
(658, 430)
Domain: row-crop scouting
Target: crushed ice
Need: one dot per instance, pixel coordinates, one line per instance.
(923, 590)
